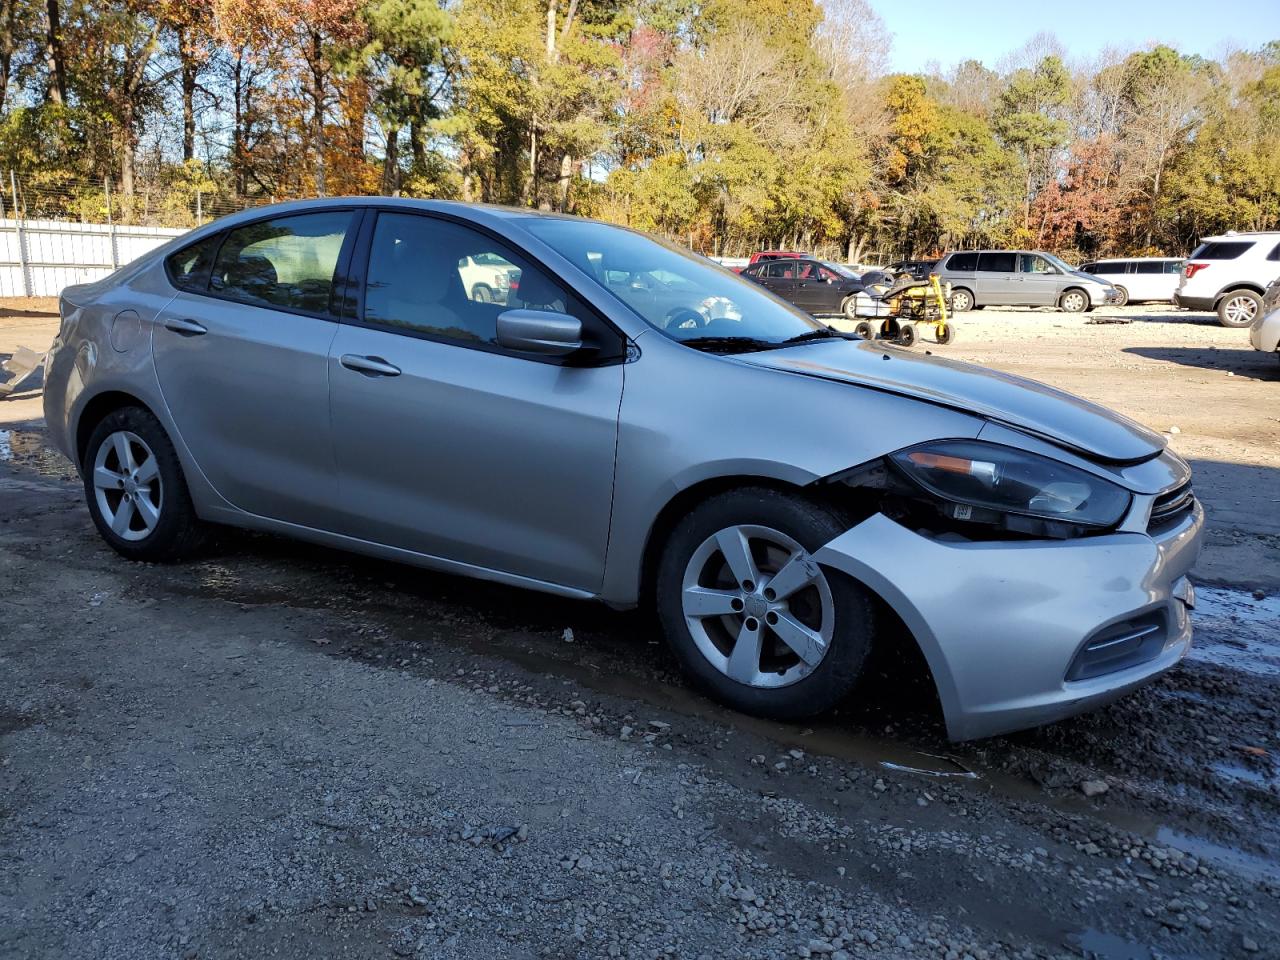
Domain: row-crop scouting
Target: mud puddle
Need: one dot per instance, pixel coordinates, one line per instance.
(1234, 629)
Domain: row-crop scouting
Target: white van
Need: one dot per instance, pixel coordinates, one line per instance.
(1140, 278)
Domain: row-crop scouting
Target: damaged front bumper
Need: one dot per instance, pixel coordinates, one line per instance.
(1021, 633)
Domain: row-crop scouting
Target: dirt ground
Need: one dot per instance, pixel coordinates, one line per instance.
(284, 751)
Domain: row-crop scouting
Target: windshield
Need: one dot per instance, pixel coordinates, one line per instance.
(841, 269)
(1060, 264)
(686, 297)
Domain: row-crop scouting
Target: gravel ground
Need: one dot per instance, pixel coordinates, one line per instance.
(285, 751)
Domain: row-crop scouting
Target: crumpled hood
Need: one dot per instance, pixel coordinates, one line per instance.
(1056, 416)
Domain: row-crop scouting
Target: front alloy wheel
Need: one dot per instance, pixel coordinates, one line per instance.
(757, 606)
(1074, 301)
(754, 620)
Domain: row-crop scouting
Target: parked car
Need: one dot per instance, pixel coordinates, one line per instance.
(1139, 279)
(783, 494)
(764, 256)
(822, 289)
(1228, 275)
(1020, 278)
(918, 269)
(1264, 333)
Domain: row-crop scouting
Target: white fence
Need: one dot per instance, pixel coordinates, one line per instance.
(40, 257)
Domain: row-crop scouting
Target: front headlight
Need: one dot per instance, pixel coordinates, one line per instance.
(984, 482)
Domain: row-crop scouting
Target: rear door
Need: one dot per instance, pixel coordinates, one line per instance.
(1149, 281)
(242, 358)
(997, 279)
(449, 445)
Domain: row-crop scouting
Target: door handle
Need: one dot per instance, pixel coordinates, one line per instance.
(371, 366)
(188, 328)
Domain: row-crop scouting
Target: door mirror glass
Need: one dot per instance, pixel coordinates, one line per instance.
(543, 332)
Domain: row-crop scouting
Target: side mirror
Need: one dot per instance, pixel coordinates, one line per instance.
(539, 331)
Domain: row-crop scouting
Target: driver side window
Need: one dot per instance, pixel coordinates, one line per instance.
(446, 281)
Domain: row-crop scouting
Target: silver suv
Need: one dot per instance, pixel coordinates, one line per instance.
(1020, 278)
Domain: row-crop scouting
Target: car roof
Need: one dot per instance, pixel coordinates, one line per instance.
(1241, 235)
(1129, 259)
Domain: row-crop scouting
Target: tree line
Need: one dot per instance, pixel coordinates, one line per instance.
(729, 126)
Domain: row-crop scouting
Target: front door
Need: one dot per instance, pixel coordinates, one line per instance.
(447, 444)
(242, 358)
(1039, 280)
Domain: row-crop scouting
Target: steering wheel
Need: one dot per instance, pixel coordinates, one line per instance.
(682, 318)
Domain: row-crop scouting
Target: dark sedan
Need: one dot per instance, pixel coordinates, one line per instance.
(815, 286)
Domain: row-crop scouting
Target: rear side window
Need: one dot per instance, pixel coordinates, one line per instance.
(997, 262)
(188, 269)
(288, 262)
(1221, 250)
(1148, 266)
(1112, 267)
(963, 261)
(1275, 253)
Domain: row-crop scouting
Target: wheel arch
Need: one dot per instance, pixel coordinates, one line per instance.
(1236, 288)
(682, 503)
(95, 410)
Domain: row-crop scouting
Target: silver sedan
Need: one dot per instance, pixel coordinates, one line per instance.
(632, 424)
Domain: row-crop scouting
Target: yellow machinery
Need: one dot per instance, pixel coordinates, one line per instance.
(911, 302)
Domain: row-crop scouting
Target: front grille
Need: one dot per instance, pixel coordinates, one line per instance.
(1171, 505)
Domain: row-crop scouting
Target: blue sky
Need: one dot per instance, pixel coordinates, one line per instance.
(949, 31)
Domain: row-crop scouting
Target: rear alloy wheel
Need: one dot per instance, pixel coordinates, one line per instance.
(1124, 297)
(1074, 301)
(752, 617)
(850, 307)
(481, 293)
(1238, 308)
(135, 489)
(961, 301)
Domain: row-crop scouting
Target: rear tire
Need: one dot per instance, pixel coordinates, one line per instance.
(947, 333)
(482, 293)
(769, 533)
(865, 330)
(961, 300)
(1238, 308)
(136, 491)
(907, 335)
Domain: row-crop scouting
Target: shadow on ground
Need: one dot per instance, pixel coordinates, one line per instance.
(1246, 363)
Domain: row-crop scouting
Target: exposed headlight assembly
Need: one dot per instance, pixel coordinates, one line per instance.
(969, 476)
(974, 484)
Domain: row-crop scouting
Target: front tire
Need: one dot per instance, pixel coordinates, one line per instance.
(1238, 308)
(1074, 301)
(1124, 297)
(752, 618)
(136, 490)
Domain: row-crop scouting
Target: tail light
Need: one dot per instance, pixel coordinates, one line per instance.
(1192, 269)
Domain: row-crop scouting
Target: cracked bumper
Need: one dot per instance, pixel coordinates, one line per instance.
(1001, 624)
